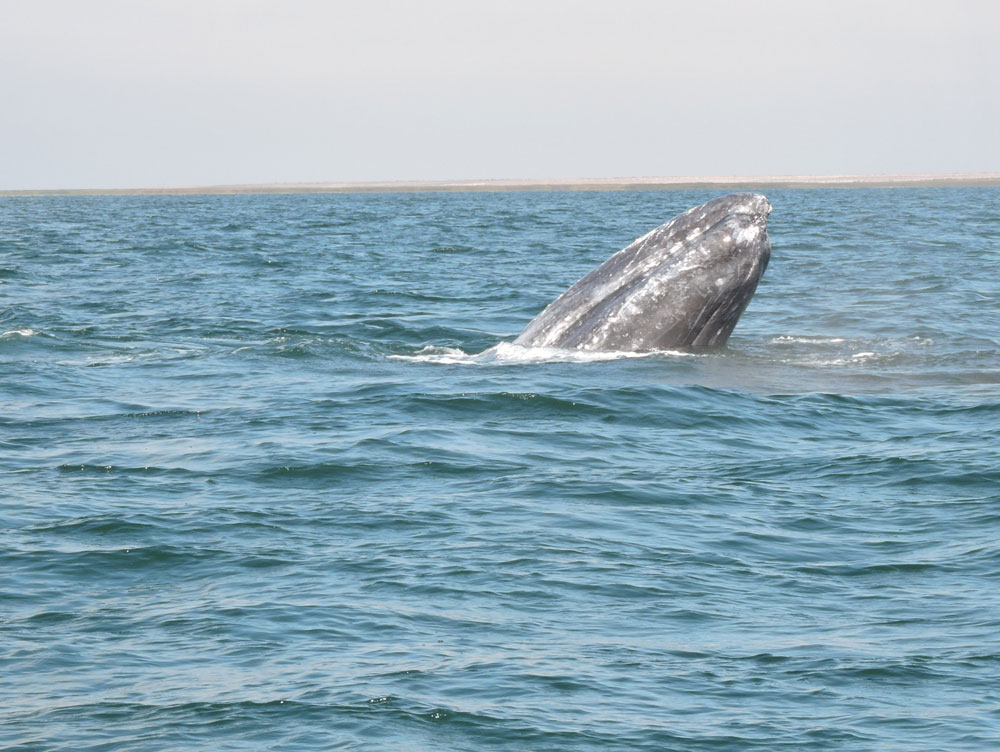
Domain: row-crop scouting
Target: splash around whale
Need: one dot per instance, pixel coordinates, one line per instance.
(684, 284)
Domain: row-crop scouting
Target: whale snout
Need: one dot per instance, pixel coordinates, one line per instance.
(754, 204)
(746, 223)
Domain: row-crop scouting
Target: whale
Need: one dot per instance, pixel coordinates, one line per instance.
(684, 284)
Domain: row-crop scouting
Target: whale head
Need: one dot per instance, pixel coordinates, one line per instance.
(684, 284)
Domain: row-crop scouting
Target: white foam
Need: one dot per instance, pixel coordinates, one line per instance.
(507, 353)
(11, 333)
(433, 354)
(784, 339)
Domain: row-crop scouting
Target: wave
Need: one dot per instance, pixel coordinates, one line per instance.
(507, 353)
(785, 350)
(22, 332)
(790, 339)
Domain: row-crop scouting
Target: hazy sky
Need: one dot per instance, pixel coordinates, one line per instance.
(127, 93)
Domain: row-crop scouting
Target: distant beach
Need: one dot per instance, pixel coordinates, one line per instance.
(553, 184)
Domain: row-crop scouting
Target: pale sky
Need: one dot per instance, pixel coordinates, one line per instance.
(142, 93)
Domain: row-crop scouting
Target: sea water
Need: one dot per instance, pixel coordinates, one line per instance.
(273, 476)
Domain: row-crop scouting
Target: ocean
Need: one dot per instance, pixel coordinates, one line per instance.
(273, 477)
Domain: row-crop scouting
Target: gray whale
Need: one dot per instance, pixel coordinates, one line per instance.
(684, 284)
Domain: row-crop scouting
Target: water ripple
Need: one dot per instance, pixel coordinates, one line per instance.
(273, 475)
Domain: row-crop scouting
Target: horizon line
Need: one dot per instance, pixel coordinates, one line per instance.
(861, 180)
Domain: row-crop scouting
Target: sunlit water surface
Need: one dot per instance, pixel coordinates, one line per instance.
(272, 476)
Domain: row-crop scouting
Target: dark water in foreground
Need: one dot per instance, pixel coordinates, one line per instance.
(258, 489)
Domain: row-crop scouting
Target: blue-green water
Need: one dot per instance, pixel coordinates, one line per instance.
(260, 490)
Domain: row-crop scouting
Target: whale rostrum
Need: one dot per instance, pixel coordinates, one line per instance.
(684, 284)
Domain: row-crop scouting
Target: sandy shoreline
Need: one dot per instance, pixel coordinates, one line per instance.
(555, 184)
